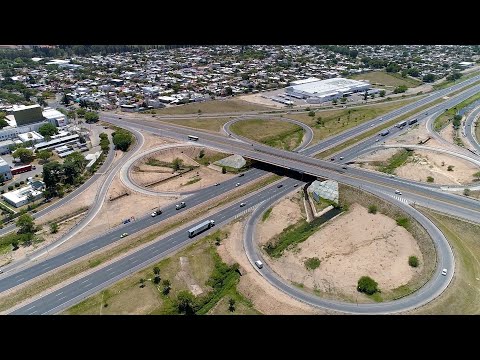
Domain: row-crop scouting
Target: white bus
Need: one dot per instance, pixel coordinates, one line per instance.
(191, 137)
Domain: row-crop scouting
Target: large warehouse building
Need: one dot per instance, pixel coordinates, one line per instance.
(316, 91)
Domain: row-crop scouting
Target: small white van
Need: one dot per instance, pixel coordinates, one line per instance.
(259, 264)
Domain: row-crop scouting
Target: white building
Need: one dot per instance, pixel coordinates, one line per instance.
(5, 146)
(31, 136)
(19, 197)
(55, 117)
(5, 170)
(317, 91)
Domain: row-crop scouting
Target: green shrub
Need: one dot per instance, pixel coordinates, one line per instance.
(17, 185)
(450, 168)
(403, 221)
(466, 192)
(372, 209)
(10, 188)
(413, 261)
(430, 179)
(367, 285)
(312, 263)
(22, 182)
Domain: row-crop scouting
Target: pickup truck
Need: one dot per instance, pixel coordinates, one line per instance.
(181, 205)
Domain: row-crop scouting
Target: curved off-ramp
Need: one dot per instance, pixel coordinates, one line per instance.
(125, 175)
(470, 121)
(306, 140)
(428, 292)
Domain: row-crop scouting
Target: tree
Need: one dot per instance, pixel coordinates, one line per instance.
(311, 113)
(185, 302)
(156, 272)
(382, 93)
(177, 164)
(450, 168)
(122, 140)
(41, 101)
(25, 224)
(365, 96)
(166, 286)
(466, 192)
(413, 261)
(91, 117)
(430, 179)
(142, 282)
(372, 209)
(81, 112)
(334, 101)
(54, 228)
(44, 155)
(231, 305)
(224, 170)
(202, 154)
(228, 91)
(477, 175)
(400, 89)
(25, 155)
(48, 130)
(72, 114)
(65, 99)
(367, 285)
(428, 78)
(52, 177)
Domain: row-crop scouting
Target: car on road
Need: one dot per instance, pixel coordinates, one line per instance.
(237, 184)
(344, 167)
(392, 176)
(1, 271)
(444, 272)
(259, 264)
(341, 157)
(216, 184)
(34, 167)
(371, 125)
(241, 175)
(332, 159)
(295, 185)
(156, 212)
(376, 140)
(279, 186)
(181, 205)
(398, 192)
(126, 221)
(242, 204)
(123, 235)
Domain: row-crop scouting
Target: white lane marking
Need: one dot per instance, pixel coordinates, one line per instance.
(70, 257)
(20, 279)
(84, 281)
(108, 270)
(31, 307)
(86, 285)
(60, 293)
(32, 312)
(62, 298)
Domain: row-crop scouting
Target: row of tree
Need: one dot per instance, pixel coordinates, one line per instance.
(56, 175)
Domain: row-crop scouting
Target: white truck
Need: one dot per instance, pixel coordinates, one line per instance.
(200, 227)
(181, 205)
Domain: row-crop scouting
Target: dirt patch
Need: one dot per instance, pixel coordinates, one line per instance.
(265, 297)
(203, 176)
(185, 275)
(349, 247)
(422, 164)
(284, 214)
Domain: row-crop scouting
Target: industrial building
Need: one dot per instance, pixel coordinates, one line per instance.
(24, 195)
(55, 117)
(316, 91)
(5, 170)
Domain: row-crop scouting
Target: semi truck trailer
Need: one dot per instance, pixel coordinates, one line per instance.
(200, 228)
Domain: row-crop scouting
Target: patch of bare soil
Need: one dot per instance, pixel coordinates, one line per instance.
(351, 246)
(429, 163)
(265, 297)
(284, 214)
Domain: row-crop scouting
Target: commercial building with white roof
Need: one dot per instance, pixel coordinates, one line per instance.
(55, 117)
(5, 170)
(317, 91)
(19, 197)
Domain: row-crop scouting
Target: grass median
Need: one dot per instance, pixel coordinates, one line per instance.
(110, 252)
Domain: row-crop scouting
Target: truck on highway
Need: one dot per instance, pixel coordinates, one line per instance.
(401, 124)
(200, 227)
(385, 132)
(181, 205)
(413, 121)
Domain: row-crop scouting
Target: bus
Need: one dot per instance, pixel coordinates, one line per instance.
(191, 137)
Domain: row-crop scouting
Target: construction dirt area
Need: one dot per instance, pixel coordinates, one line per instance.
(422, 164)
(149, 170)
(350, 246)
(265, 297)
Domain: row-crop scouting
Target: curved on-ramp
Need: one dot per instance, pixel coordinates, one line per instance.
(307, 137)
(428, 292)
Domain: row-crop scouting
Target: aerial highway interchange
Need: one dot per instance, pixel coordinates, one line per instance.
(301, 161)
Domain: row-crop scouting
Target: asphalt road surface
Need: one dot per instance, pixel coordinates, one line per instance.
(470, 129)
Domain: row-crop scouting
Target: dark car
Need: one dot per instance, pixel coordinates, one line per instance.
(279, 185)
(241, 175)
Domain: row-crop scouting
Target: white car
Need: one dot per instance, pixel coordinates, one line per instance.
(398, 192)
(444, 272)
(242, 204)
(216, 184)
(237, 184)
(259, 264)
(154, 214)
